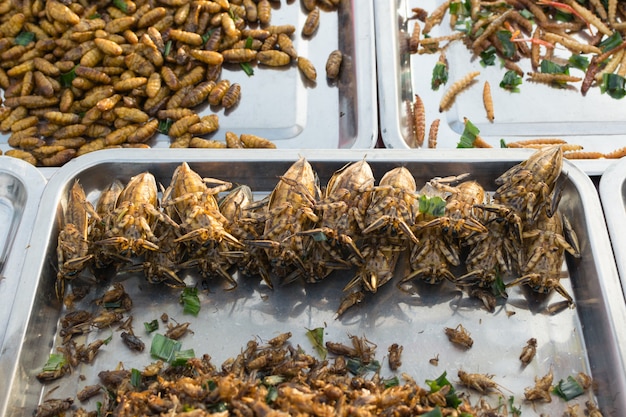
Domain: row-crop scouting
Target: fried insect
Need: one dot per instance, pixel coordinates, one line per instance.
(333, 64)
(53, 407)
(307, 68)
(73, 247)
(542, 389)
(459, 336)
(448, 98)
(480, 382)
(395, 352)
(529, 351)
(488, 101)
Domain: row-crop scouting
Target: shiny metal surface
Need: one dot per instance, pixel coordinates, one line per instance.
(613, 197)
(587, 338)
(281, 105)
(21, 186)
(596, 121)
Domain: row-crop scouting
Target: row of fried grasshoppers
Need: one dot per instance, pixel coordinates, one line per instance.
(302, 232)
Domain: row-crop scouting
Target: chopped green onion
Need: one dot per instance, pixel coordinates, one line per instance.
(190, 301)
(164, 126)
(121, 4)
(488, 56)
(272, 394)
(67, 78)
(440, 75)
(568, 389)
(391, 382)
(551, 67)
(613, 85)
(316, 336)
(247, 68)
(468, 136)
(181, 357)
(151, 326)
(206, 36)
(55, 362)
(135, 377)
(112, 304)
(356, 367)
(527, 14)
(452, 400)
(163, 347)
(611, 42)
(24, 38)
(498, 288)
(435, 206)
(508, 49)
(273, 380)
(515, 411)
(562, 16)
(108, 339)
(510, 81)
(249, 41)
(578, 61)
(503, 143)
(167, 48)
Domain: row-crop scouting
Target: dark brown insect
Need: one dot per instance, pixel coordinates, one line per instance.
(133, 342)
(480, 382)
(528, 352)
(395, 360)
(53, 407)
(178, 330)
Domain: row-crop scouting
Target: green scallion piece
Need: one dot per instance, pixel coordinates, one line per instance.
(391, 382)
(164, 126)
(440, 75)
(163, 347)
(568, 389)
(55, 362)
(510, 81)
(67, 78)
(247, 68)
(613, 85)
(181, 357)
(151, 326)
(468, 136)
(135, 377)
(316, 336)
(272, 394)
(190, 301)
(435, 412)
(121, 4)
(508, 49)
(578, 61)
(611, 42)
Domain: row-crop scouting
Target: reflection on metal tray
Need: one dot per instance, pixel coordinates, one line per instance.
(613, 197)
(281, 105)
(21, 186)
(582, 339)
(595, 121)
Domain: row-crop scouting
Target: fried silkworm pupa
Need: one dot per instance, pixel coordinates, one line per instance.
(448, 98)
(312, 22)
(307, 68)
(333, 64)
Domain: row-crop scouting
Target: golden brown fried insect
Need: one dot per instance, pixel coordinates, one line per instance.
(218, 92)
(239, 55)
(541, 390)
(488, 101)
(307, 68)
(414, 40)
(53, 407)
(232, 95)
(264, 12)
(459, 336)
(480, 382)
(233, 141)
(448, 98)
(178, 330)
(419, 117)
(529, 351)
(254, 141)
(311, 23)
(279, 340)
(333, 64)
(198, 94)
(273, 58)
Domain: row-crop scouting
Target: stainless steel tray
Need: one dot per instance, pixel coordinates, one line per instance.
(587, 338)
(613, 197)
(21, 186)
(280, 105)
(597, 122)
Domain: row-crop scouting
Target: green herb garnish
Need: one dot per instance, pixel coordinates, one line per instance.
(167, 48)
(503, 143)
(67, 78)
(515, 411)
(611, 42)
(452, 400)
(121, 4)
(579, 62)
(613, 85)
(468, 136)
(356, 367)
(55, 362)
(182, 356)
(435, 206)
(135, 377)
(151, 326)
(551, 67)
(568, 389)
(488, 56)
(510, 81)
(247, 68)
(440, 75)
(163, 347)
(508, 49)
(272, 394)
(164, 126)
(435, 412)
(249, 41)
(316, 336)
(190, 301)
(24, 38)
(391, 382)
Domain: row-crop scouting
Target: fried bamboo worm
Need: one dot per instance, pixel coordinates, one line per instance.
(419, 114)
(474, 9)
(537, 141)
(488, 101)
(448, 98)
(583, 155)
(571, 44)
(436, 16)
(594, 65)
(537, 12)
(612, 11)
(589, 17)
(616, 154)
(432, 134)
(493, 26)
(510, 65)
(599, 7)
(610, 66)
(622, 65)
(535, 48)
(430, 45)
(567, 147)
(541, 77)
(479, 142)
